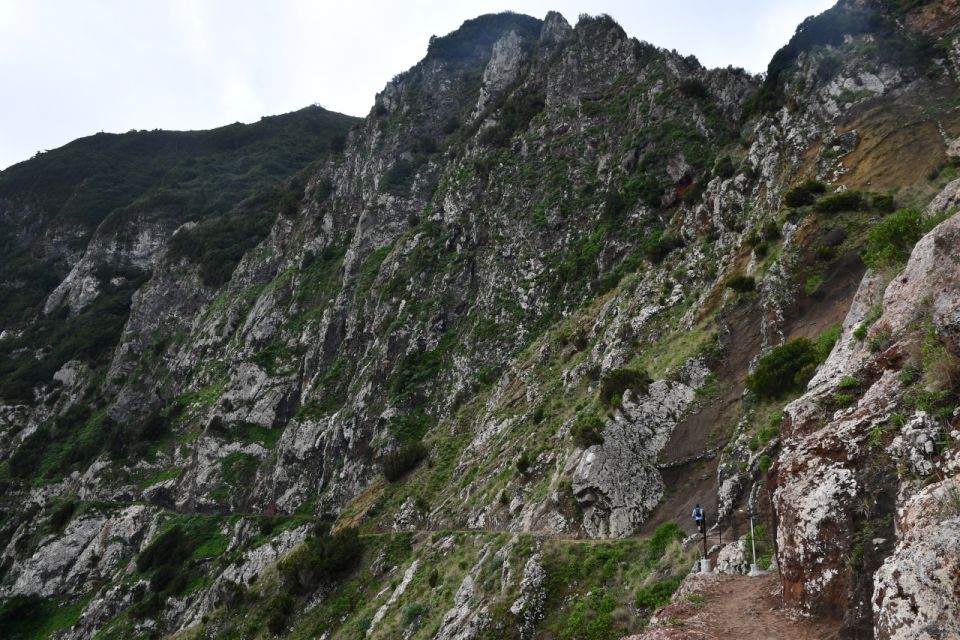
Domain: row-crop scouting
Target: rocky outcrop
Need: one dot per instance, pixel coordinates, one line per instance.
(915, 592)
(529, 607)
(733, 559)
(91, 547)
(843, 471)
(502, 70)
(617, 483)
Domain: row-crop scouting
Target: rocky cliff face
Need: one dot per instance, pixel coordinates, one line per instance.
(857, 524)
(516, 305)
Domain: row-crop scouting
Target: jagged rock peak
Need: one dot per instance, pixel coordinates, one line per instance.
(555, 28)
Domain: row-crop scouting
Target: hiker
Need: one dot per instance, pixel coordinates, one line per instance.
(698, 517)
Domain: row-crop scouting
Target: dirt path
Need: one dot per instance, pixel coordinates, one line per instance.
(722, 607)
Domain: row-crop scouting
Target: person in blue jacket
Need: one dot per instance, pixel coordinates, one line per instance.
(699, 517)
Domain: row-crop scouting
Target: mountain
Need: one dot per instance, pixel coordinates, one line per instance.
(462, 368)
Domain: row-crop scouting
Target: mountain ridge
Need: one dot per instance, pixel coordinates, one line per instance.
(557, 284)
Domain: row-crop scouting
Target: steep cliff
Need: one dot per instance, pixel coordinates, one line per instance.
(557, 287)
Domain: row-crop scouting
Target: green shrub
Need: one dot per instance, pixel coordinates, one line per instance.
(399, 463)
(524, 462)
(838, 202)
(662, 537)
(843, 399)
(771, 430)
(398, 179)
(771, 231)
(417, 370)
(883, 203)
(591, 618)
(849, 382)
(910, 375)
(412, 427)
(880, 341)
(412, 613)
(694, 88)
(724, 168)
(656, 595)
(280, 607)
(804, 194)
(61, 515)
(538, 414)
(890, 241)
(615, 382)
(659, 245)
(827, 340)
(170, 547)
(742, 284)
(765, 463)
(322, 558)
(587, 431)
(785, 369)
(514, 116)
(862, 329)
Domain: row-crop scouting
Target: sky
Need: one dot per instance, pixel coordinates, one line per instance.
(71, 68)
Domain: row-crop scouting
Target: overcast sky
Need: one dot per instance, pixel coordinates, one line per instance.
(70, 68)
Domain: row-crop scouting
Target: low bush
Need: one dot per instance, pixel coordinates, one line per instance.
(827, 340)
(742, 284)
(615, 382)
(843, 399)
(524, 462)
(724, 168)
(765, 463)
(890, 241)
(412, 613)
(280, 607)
(771, 231)
(61, 515)
(659, 245)
(884, 203)
(587, 431)
(804, 194)
(322, 558)
(785, 369)
(173, 546)
(849, 382)
(399, 463)
(662, 537)
(838, 202)
(515, 115)
(398, 179)
(412, 427)
(880, 341)
(656, 595)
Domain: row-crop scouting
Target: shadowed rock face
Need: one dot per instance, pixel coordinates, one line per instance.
(532, 211)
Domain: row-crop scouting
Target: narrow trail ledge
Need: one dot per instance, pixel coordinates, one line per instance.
(723, 606)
